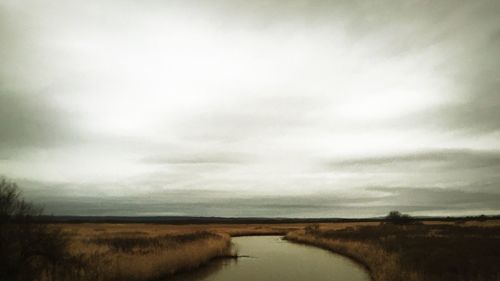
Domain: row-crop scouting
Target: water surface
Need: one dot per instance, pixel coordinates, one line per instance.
(273, 259)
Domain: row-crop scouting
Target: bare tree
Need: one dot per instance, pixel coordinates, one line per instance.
(28, 248)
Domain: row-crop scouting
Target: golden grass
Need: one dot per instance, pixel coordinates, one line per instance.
(90, 230)
(86, 230)
(169, 250)
(104, 262)
(152, 251)
(433, 251)
(151, 265)
(381, 265)
(139, 251)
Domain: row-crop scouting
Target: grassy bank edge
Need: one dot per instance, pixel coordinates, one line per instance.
(212, 249)
(156, 265)
(226, 253)
(380, 265)
(206, 250)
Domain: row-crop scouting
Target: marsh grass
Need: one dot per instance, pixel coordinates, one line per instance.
(130, 243)
(109, 252)
(415, 252)
(142, 256)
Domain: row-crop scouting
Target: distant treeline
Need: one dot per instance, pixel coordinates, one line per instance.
(233, 220)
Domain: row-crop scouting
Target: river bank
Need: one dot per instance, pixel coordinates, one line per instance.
(267, 258)
(381, 265)
(139, 257)
(142, 252)
(430, 252)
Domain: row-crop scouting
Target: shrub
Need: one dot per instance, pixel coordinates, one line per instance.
(395, 217)
(28, 249)
(312, 228)
(482, 218)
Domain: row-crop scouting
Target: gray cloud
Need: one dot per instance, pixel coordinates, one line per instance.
(28, 119)
(198, 158)
(469, 32)
(191, 203)
(376, 201)
(438, 199)
(198, 150)
(256, 118)
(446, 158)
(32, 122)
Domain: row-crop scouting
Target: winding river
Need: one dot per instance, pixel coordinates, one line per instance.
(269, 258)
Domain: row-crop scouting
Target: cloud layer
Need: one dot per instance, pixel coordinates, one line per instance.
(252, 108)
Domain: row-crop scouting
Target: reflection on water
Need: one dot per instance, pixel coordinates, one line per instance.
(272, 258)
(203, 272)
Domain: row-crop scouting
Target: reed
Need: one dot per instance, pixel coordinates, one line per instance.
(130, 256)
(430, 252)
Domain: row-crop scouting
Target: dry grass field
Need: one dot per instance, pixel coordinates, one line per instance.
(432, 251)
(139, 256)
(134, 251)
(148, 251)
(139, 251)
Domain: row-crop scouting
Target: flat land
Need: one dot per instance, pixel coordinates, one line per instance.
(433, 250)
(146, 251)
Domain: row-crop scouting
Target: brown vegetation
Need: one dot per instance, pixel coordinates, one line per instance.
(28, 248)
(138, 251)
(140, 256)
(415, 252)
(151, 251)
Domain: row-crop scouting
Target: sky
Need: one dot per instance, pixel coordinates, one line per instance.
(264, 108)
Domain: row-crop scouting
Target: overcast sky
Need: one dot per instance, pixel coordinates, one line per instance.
(252, 108)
